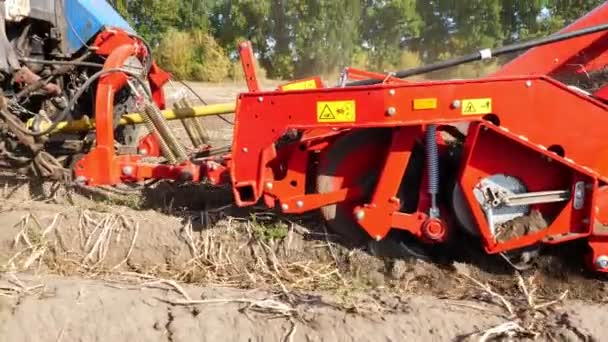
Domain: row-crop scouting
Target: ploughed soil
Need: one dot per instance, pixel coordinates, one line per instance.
(179, 263)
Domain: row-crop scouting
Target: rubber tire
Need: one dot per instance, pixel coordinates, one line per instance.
(130, 135)
(339, 218)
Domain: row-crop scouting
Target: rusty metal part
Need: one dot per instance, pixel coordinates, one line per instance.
(13, 125)
(41, 162)
(40, 83)
(25, 75)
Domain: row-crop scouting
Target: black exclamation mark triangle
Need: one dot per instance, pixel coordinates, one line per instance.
(470, 108)
(327, 114)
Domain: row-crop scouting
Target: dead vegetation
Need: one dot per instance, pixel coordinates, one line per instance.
(293, 260)
(525, 314)
(15, 288)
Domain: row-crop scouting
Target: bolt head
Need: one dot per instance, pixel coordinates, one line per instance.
(434, 230)
(360, 215)
(456, 104)
(602, 262)
(245, 149)
(285, 207)
(528, 84)
(391, 92)
(269, 185)
(127, 170)
(260, 99)
(391, 111)
(300, 204)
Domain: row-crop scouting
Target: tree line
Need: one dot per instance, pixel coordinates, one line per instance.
(196, 39)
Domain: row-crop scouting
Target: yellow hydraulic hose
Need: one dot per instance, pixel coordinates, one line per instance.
(86, 124)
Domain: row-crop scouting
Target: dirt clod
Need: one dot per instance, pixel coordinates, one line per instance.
(521, 226)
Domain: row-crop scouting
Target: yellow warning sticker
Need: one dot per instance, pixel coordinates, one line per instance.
(336, 111)
(476, 106)
(310, 84)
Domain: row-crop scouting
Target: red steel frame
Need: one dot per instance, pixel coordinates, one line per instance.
(102, 165)
(274, 113)
(533, 116)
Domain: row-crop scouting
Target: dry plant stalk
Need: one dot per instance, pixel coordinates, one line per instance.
(517, 324)
(509, 329)
(33, 236)
(98, 232)
(213, 254)
(18, 289)
(486, 288)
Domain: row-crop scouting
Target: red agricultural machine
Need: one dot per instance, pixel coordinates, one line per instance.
(517, 159)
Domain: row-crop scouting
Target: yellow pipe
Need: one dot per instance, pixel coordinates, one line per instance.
(87, 124)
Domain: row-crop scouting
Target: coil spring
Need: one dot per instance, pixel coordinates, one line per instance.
(165, 150)
(163, 129)
(432, 157)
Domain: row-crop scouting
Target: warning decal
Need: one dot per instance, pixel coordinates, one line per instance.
(336, 111)
(303, 85)
(476, 106)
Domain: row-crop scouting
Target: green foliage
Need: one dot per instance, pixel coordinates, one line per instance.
(409, 59)
(479, 25)
(237, 20)
(193, 55)
(210, 62)
(175, 53)
(197, 39)
(270, 231)
(324, 34)
(386, 24)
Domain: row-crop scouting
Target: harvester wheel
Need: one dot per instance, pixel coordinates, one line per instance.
(353, 159)
(356, 159)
